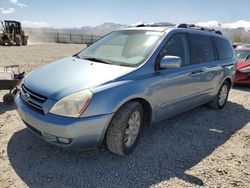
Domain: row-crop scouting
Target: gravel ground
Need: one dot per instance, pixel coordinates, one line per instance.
(202, 147)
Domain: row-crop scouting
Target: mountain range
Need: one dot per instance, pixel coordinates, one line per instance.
(233, 25)
(239, 28)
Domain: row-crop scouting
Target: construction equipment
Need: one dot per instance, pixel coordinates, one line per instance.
(11, 33)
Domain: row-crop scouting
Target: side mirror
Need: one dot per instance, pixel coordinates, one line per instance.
(170, 62)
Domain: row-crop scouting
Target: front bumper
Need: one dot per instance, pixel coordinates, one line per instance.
(81, 132)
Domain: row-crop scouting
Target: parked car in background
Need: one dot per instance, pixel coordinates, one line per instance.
(130, 78)
(242, 75)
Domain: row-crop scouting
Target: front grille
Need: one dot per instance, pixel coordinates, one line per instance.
(34, 95)
(32, 99)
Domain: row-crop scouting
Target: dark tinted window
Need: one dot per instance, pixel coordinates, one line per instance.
(201, 48)
(224, 48)
(177, 46)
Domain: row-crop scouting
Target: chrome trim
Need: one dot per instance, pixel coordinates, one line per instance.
(35, 105)
(32, 94)
(32, 101)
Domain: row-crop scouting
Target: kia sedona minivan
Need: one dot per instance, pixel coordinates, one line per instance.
(109, 91)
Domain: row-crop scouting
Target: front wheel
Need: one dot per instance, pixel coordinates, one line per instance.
(124, 128)
(18, 40)
(221, 98)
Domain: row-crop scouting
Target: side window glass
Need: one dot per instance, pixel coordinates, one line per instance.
(201, 48)
(177, 46)
(224, 48)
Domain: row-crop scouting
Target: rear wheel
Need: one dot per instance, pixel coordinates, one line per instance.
(221, 98)
(124, 128)
(25, 41)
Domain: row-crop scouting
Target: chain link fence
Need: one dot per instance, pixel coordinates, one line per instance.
(62, 37)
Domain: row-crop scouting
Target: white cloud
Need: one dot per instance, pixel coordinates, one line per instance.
(7, 10)
(15, 2)
(28, 23)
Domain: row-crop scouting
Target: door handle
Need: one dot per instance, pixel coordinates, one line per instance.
(196, 73)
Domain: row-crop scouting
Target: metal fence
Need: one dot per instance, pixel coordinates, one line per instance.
(62, 37)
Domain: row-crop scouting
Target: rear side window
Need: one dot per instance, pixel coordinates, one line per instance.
(201, 48)
(224, 48)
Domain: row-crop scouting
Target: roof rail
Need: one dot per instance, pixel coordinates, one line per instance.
(141, 25)
(162, 24)
(159, 24)
(192, 26)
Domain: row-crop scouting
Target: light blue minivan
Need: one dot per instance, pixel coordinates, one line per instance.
(108, 92)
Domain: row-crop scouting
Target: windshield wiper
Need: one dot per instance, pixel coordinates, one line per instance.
(98, 60)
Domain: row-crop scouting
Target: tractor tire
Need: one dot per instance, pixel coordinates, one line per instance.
(18, 40)
(25, 41)
(1, 42)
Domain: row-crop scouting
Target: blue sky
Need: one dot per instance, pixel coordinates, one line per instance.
(76, 13)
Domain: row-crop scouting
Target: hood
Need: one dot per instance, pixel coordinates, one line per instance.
(242, 64)
(70, 75)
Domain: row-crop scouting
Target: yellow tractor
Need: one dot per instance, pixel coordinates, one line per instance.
(11, 33)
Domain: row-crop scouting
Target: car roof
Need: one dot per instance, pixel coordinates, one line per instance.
(173, 28)
(161, 29)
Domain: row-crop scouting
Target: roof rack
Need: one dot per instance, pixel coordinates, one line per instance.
(192, 26)
(159, 24)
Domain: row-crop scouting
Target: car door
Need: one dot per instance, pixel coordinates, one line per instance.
(206, 69)
(176, 90)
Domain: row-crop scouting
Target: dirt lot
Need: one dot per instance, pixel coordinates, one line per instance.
(202, 147)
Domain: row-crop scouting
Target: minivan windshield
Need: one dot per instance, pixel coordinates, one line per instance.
(127, 48)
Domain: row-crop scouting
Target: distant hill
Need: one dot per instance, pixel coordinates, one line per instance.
(103, 29)
(99, 30)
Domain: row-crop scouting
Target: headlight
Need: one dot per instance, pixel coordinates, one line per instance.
(72, 105)
(245, 70)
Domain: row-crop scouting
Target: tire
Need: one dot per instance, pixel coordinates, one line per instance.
(18, 40)
(1, 41)
(121, 126)
(217, 102)
(9, 98)
(25, 41)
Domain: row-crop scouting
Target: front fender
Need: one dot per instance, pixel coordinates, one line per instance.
(110, 97)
